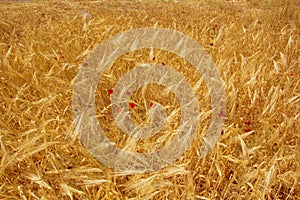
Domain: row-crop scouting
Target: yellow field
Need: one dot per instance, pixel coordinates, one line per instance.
(255, 46)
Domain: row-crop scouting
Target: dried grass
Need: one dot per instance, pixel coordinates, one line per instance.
(255, 45)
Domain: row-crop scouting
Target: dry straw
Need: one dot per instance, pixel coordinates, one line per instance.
(255, 45)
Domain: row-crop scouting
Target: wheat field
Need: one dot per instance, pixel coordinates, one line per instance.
(254, 45)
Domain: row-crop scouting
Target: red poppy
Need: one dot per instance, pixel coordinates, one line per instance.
(292, 74)
(85, 64)
(55, 58)
(211, 44)
(151, 104)
(128, 93)
(62, 56)
(163, 64)
(153, 58)
(132, 105)
(222, 132)
(110, 91)
(247, 130)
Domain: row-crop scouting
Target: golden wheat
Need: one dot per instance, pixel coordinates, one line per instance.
(255, 46)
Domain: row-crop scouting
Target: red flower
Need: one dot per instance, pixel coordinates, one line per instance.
(221, 114)
(292, 74)
(128, 93)
(222, 132)
(62, 56)
(85, 64)
(247, 130)
(151, 104)
(153, 58)
(132, 105)
(55, 58)
(110, 91)
(163, 64)
(211, 44)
